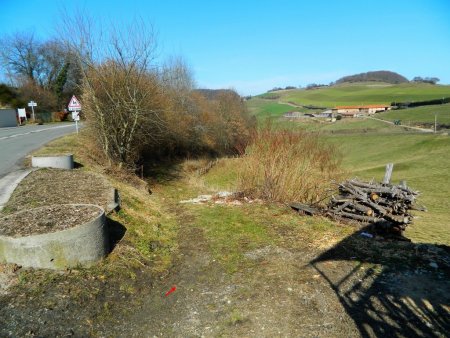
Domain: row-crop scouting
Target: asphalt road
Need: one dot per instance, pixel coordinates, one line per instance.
(16, 143)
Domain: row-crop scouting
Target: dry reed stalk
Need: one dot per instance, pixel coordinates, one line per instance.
(287, 166)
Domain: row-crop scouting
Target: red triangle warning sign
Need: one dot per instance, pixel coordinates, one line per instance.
(74, 104)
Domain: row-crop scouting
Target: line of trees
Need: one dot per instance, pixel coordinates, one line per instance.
(430, 80)
(39, 69)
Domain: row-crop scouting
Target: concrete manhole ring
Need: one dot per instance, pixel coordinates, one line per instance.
(64, 161)
(75, 244)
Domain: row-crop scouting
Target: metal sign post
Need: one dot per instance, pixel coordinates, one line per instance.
(76, 118)
(32, 104)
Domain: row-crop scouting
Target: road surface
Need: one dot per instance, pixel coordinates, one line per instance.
(16, 143)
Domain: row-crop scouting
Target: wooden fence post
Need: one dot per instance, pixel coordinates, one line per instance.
(388, 173)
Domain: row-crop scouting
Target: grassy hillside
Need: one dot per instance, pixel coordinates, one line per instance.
(363, 93)
(263, 109)
(423, 114)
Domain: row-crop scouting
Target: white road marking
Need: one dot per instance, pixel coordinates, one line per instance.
(33, 131)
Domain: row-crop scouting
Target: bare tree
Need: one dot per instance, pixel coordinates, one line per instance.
(122, 96)
(177, 75)
(19, 55)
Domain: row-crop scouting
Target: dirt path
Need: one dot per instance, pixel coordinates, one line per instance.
(290, 289)
(290, 104)
(278, 293)
(401, 126)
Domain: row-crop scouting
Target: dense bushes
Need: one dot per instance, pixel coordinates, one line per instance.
(197, 125)
(9, 97)
(134, 114)
(287, 166)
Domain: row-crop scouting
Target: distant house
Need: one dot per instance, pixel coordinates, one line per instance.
(293, 115)
(299, 115)
(352, 111)
(325, 114)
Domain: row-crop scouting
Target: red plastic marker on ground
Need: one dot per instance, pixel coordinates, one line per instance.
(171, 290)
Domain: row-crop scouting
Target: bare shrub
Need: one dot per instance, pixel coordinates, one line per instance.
(138, 111)
(287, 166)
(124, 110)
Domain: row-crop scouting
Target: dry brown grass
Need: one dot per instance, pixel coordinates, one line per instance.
(287, 166)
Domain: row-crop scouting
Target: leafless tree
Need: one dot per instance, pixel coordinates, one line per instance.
(122, 97)
(19, 55)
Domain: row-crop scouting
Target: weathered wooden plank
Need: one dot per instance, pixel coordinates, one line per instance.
(359, 217)
(388, 173)
(300, 207)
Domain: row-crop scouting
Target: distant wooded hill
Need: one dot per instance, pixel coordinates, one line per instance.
(212, 94)
(378, 76)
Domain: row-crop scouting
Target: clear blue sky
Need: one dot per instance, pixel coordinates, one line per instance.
(253, 46)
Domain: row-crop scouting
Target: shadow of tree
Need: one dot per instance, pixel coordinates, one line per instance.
(161, 172)
(395, 289)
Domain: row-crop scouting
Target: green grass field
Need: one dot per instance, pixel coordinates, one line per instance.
(267, 108)
(366, 93)
(424, 114)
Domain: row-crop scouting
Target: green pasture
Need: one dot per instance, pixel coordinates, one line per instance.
(344, 126)
(263, 109)
(424, 114)
(365, 93)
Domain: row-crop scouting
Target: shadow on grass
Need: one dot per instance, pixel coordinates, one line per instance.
(406, 293)
(160, 172)
(116, 232)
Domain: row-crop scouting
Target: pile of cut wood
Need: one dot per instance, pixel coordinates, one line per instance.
(386, 206)
(374, 202)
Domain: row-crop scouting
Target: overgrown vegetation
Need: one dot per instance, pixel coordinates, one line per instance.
(286, 166)
(138, 110)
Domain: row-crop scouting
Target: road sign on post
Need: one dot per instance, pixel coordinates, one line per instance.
(74, 106)
(32, 104)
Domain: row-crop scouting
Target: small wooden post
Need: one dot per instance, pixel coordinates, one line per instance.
(388, 173)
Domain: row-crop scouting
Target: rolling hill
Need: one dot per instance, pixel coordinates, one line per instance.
(377, 76)
(361, 93)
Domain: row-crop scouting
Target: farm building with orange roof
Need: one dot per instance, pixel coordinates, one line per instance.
(352, 111)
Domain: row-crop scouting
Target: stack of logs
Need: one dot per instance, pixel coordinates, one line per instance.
(374, 203)
(388, 207)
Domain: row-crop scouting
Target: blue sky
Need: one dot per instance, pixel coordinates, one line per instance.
(253, 46)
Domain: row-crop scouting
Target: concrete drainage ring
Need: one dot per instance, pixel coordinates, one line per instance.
(81, 244)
